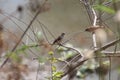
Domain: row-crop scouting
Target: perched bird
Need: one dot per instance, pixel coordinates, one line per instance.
(59, 39)
(93, 28)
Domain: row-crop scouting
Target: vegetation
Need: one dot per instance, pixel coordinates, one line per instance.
(59, 59)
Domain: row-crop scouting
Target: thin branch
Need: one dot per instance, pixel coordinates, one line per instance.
(42, 27)
(46, 28)
(94, 24)
(18, 26)
(44, 33)
(110, 68)
(87, 7)
(14, 48)
(73, 66)
(95, 17)
(91, 12)
(10, 16)
(110, 52)
(79, 62)
(78, 52)
(38, 71)
(112, 43)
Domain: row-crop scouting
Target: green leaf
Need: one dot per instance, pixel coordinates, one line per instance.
(104, 9)
(25, 47)
(106, 62)
(57, 74)
(22, 49)
(118, 69)
(53, 59)
(50, 52)
(41, 59)
(53, 68)
(15, 57)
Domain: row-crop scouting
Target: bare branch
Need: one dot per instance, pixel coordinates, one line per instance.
(14, 48)
(112, 43)
(79, 62)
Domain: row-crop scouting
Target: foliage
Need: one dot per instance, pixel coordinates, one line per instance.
(104, 9)
(66, 54)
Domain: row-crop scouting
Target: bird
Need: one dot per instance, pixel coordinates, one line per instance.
(93, 28)
(58, 39)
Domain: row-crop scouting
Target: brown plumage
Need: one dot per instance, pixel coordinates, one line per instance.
(93, 28)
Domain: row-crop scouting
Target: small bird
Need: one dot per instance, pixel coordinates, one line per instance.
(93, 28)
(59, 39)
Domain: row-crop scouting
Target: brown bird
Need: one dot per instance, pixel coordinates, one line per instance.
(59, 39)
(93, 28)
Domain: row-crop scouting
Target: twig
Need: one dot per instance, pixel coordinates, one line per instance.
(91, 12)
(80, 62)
(110, 68)
(95, 17)
(73, 50)
(73, 66)
(94, 24)
(87, 6)
(112, 43)
(110, 52)
(9, 16)
(38, 71)
(6, 60)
